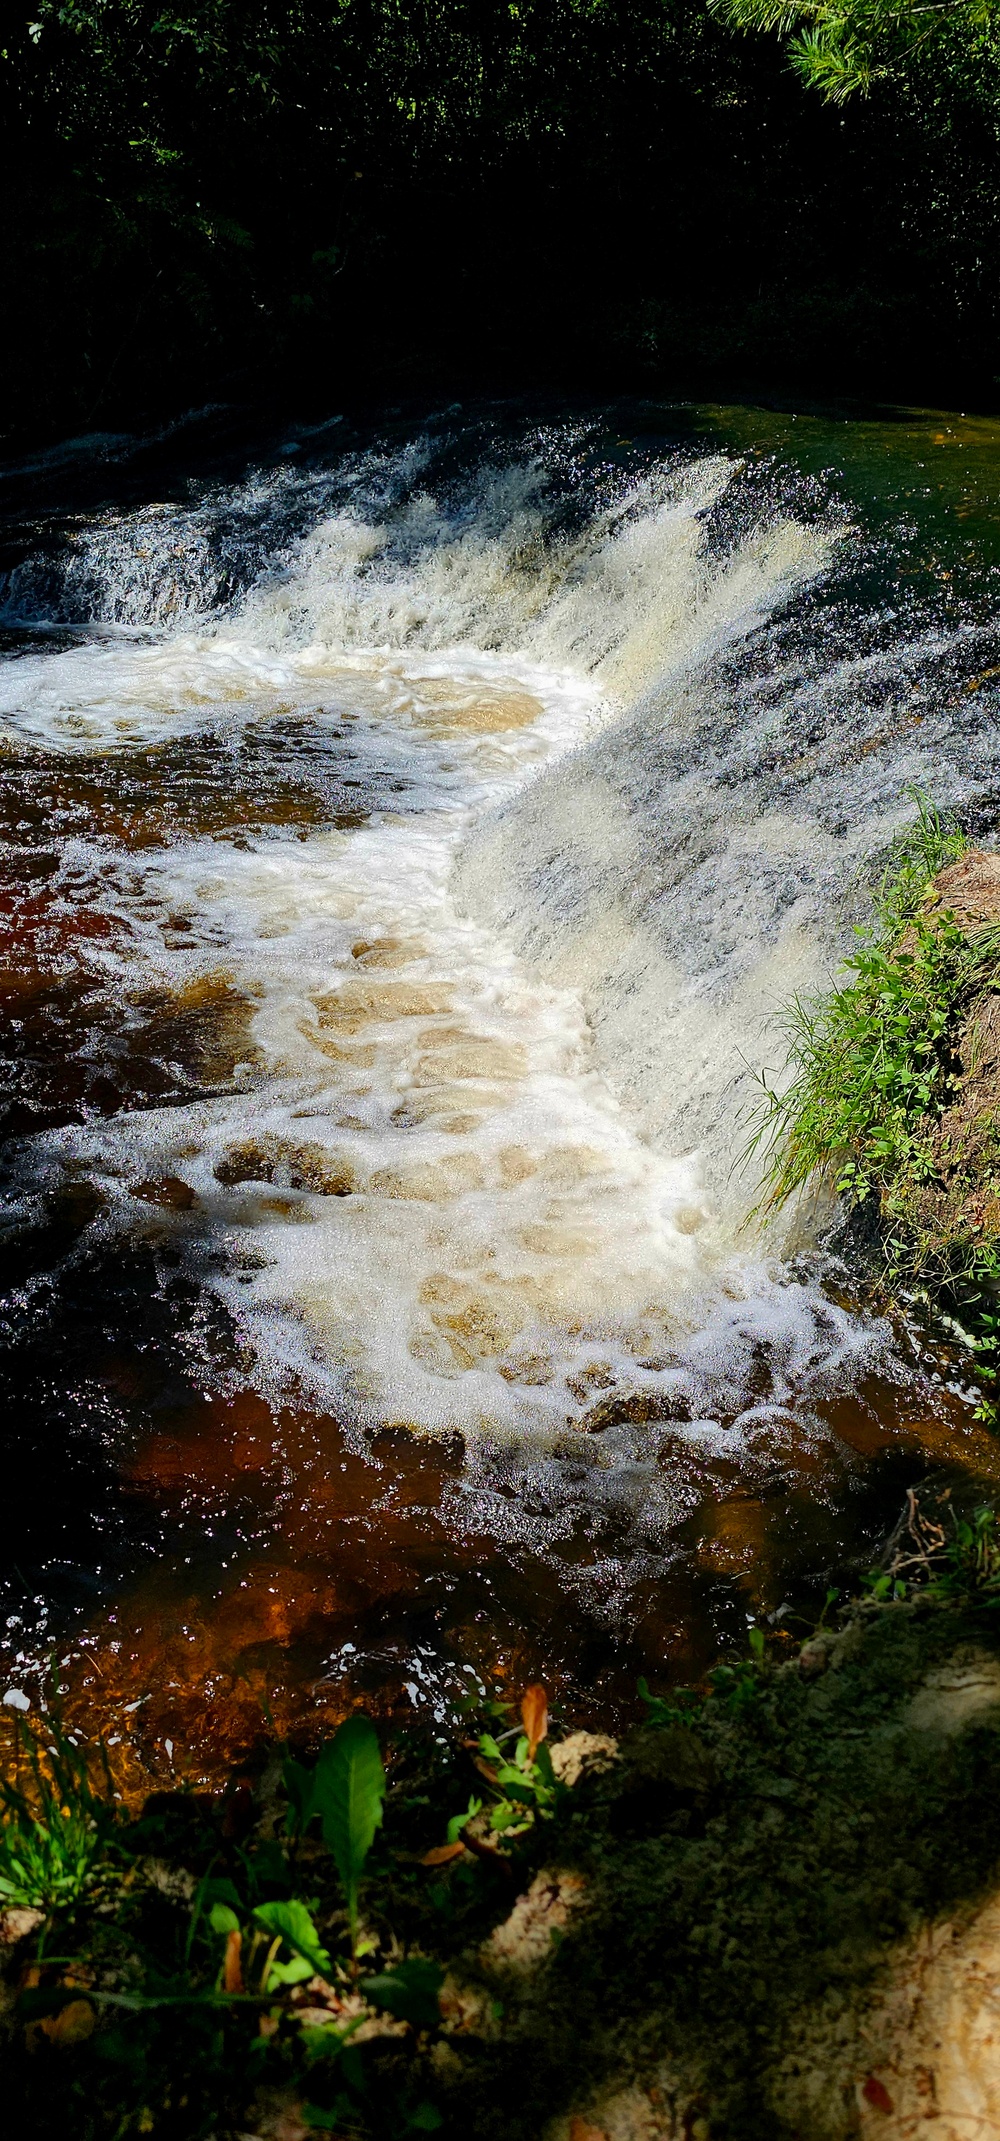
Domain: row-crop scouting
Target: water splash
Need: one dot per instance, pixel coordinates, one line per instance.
(467, 1170)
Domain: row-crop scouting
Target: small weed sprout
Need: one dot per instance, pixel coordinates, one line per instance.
(522, 1787)
(344, 1792)
(679, 1709)
(522, 1783)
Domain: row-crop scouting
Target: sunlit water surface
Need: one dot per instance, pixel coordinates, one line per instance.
(411, 839)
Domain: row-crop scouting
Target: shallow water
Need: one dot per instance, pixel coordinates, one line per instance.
(411, 841)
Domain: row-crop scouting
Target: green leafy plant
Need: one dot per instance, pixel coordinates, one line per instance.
(523, 1784)
(291, 1924)
(521, 1781)
(842, 47)
(881, 1586)
(521, 1787)
(56, 1824)
(344, 1792)
(917, 853)
(951, 1558)
(870, 1061)
(679, 1708)
(970, 1562)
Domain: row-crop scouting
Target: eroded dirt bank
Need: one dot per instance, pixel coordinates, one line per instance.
(779, 1921)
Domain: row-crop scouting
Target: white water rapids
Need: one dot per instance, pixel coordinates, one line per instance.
(474, 1172)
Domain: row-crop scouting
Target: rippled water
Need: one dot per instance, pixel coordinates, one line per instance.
(411, 839)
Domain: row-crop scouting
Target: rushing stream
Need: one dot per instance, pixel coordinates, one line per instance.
(411, 839)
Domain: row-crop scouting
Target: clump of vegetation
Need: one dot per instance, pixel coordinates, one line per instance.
(945, 1556)
(56, 1821)
(842, 47)
(308, 1956)
(203, 1954)
(881, 1104)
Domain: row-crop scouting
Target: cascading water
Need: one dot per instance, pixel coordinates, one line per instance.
(439, 831)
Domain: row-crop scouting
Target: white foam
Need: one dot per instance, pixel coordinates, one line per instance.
(423, 1194)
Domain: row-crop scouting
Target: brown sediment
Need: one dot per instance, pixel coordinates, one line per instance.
(357, 1004)
(274, 1159)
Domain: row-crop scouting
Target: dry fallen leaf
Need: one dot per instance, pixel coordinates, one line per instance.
(442, 1854)
(535, 1716)
(876, 2093)
(71, 2025)
(232, 1968)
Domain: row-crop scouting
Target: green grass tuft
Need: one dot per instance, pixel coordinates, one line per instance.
(55, 1822)
(868, 1060)
(872, 1069)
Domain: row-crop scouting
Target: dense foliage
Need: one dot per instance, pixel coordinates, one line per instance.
(205, 197)
(840, 47)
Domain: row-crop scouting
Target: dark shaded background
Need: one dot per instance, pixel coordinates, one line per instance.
(334, 196)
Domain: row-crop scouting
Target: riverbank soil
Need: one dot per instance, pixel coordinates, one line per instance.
(961, 1200)
(777, 1918)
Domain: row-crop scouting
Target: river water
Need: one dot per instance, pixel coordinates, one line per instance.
(413, 831)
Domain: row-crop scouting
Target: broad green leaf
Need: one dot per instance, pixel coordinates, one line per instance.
(328, 2041)
(221, 1890)
(409, 1990)
(294, 1973)
(516, 1787)
(543, 1764)
(507, 1816)
(222, 1919)
(348, 1790)
(293, 1922)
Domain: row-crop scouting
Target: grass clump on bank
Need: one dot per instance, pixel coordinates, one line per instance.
(892, 1098)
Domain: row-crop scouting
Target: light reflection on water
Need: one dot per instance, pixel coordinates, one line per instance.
(376, 1305)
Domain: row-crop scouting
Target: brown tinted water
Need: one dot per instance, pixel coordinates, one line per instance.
(368, 1332)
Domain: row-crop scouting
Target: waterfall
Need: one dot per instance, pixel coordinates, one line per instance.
(537, 787)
